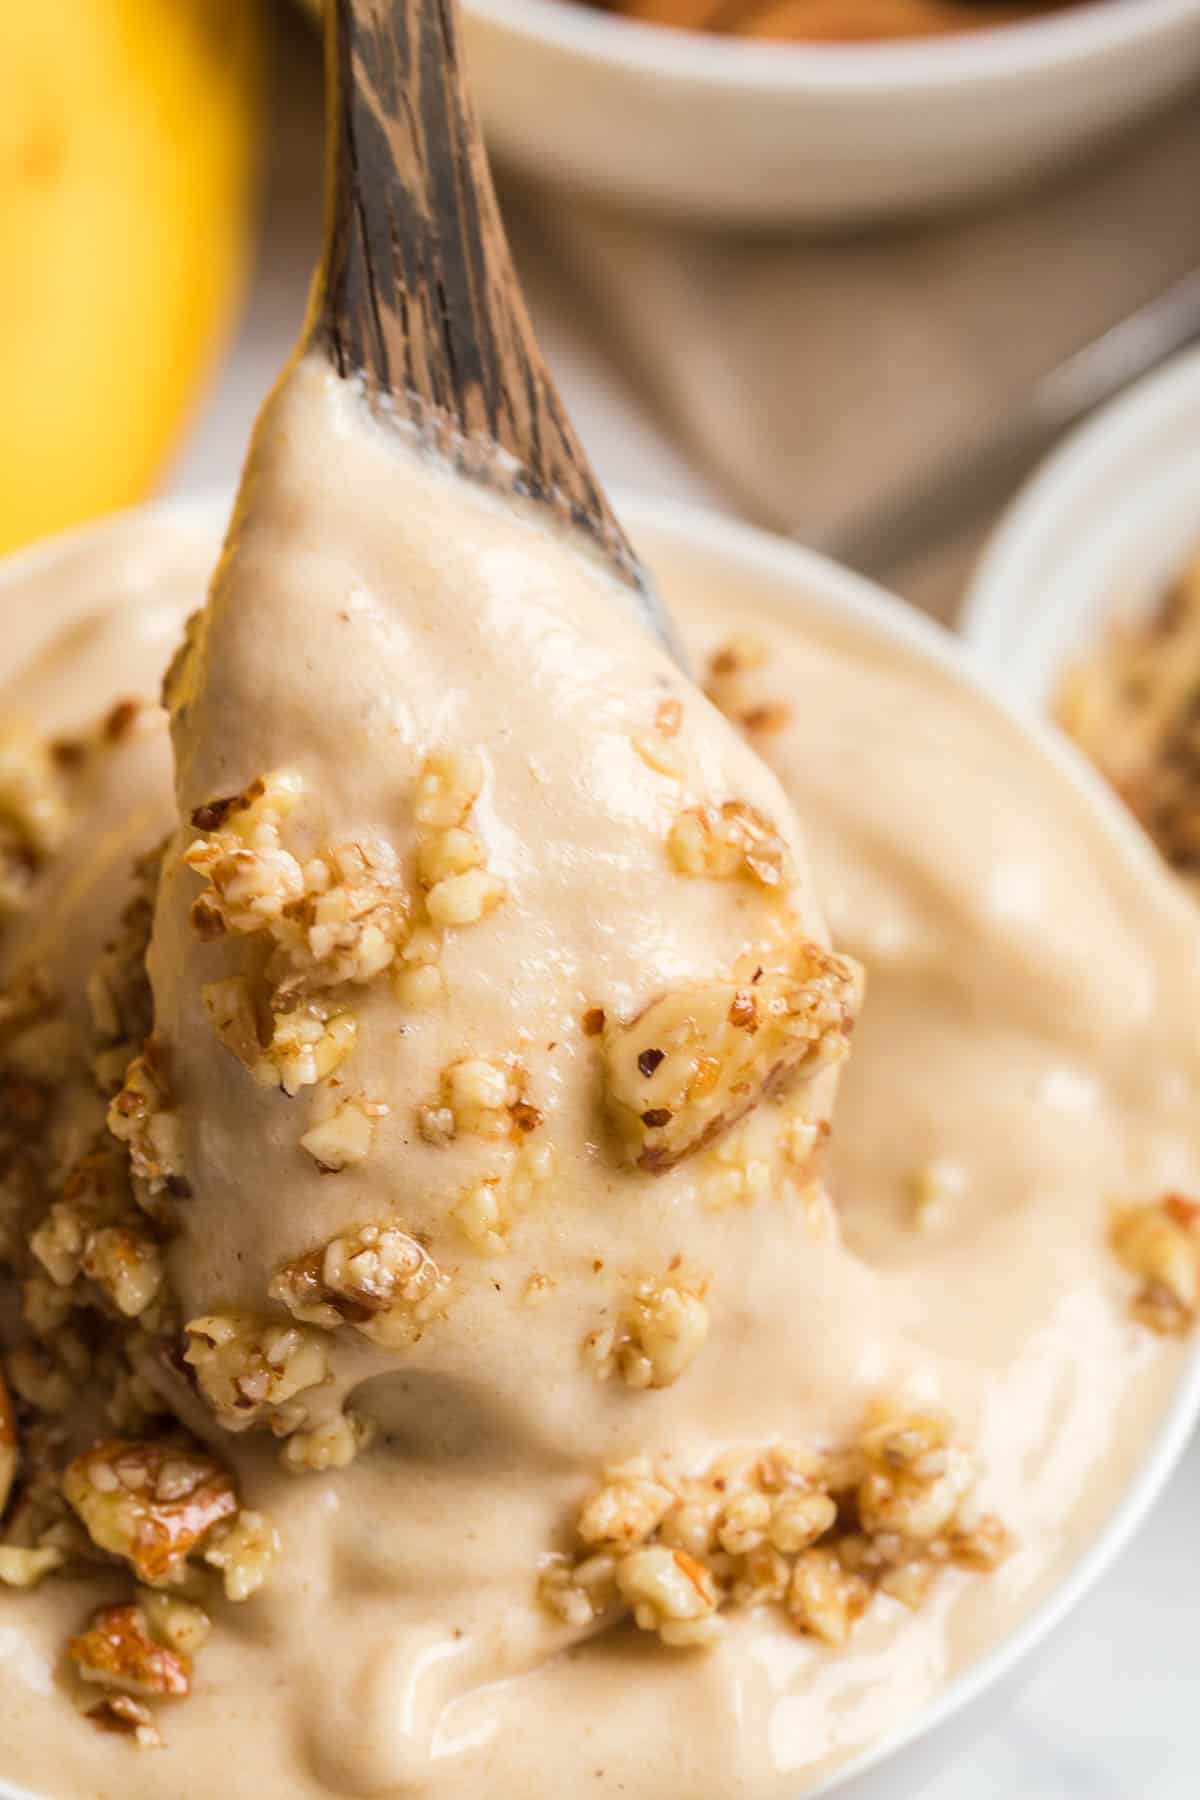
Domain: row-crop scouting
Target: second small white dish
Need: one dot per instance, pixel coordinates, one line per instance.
(1098, 533)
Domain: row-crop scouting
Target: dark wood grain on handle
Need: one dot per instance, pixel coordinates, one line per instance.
(418, 296)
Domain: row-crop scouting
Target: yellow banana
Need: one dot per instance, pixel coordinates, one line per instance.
(127, 149)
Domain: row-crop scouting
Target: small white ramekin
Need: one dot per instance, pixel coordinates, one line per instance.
(1099, 531)
(684, 543)
(743, 133)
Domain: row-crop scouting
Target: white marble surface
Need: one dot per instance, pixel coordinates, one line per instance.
(1112, 1711)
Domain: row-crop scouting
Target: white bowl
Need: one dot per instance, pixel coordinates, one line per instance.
(740, 132)
(1099, 530)
(686, 544)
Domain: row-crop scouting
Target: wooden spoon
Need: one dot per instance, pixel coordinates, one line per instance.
(417, 298)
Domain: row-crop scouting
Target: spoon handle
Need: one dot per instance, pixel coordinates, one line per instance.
(417, 295)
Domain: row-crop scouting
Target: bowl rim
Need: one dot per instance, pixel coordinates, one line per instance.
(839, 593)
(822, 586)
(1058, 498)
(1070, 41)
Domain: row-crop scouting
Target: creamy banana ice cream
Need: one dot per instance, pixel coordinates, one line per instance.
(447, 1348)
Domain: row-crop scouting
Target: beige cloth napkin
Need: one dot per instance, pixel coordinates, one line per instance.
(809, 377)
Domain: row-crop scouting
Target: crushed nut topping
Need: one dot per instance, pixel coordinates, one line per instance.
(250, 1370)
(345, 1139)
(126, 1264)
(119, 1651)
(333, 922)
(181, 1625)
(448, 786)
(33, 811)
(22, 1568)
(478, 1098)
(118, 988)
(83, 1222)
(243, 1549)
(692, 1063)
(656, 1338)
(659, 748)
(733, 688)
(333, 1444)
(150, 1503)
(378, 1279)
(240, 852)
(1131, 707)
(451, 859)
(127, 1717)
(141, 1117)
(299, 1045)
(1160, 1243)
(487, 1211)
(464, 899)
(46, 1376)
(813, 1533)
(722, 842)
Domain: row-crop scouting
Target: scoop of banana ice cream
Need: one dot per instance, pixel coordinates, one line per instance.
(487, 971)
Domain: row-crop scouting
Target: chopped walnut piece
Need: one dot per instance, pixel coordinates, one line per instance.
(824, 1599)
(578, 1594)
(627, 1509)
(738, 656)
(345, 1138)
(452, 852)
(118, 1651)
(253, 877)
(731, 686)
(250, 1370)
(25, 1568)
(464, 899)
(1131, 706)
(177, 1623)
(349, 922)
(812, 1533)
(486, 1212)
(721, 842)
(916, 1479)
(668, 718)
(1160, 1243)
(483, 1216)
(478, 1098)
(695, 1061)
(295, 1038)
(659, 748)
(33, 811)
(243, 1550)
(48, 1377)
(126, 1264)
(333, 1444)
(95, 1231)
(448, 786)
(310, 1040)
(118, 987)
(452, 860)
(376, 1278)
(151, 1503)
(658, 1336)
(127, 1717)
(671, 1593)
(140, 1117)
